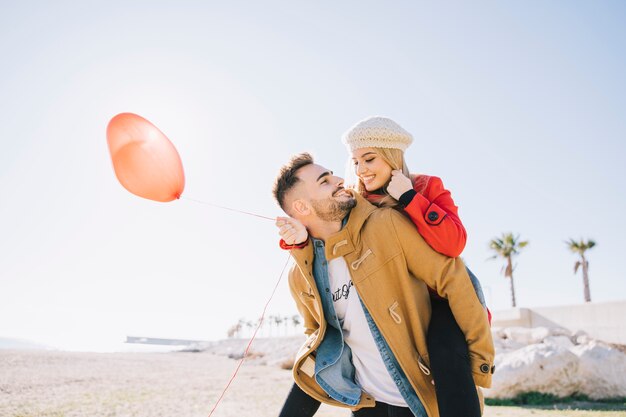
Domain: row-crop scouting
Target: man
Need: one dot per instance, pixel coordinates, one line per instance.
(361, 288)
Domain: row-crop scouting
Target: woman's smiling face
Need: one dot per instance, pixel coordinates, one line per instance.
(371, 169)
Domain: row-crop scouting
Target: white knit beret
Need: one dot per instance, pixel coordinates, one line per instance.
(377, 132)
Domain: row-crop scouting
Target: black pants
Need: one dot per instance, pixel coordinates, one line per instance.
(383, 410)
(450, 367)
(299, 404)
(450, 364)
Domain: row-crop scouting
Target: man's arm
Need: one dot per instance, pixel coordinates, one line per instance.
(309, 322)
(448, 276)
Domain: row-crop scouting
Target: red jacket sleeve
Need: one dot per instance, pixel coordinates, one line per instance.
(436, 216)
(286, 246)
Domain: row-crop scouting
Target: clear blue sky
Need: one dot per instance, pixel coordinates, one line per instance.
(518, 106)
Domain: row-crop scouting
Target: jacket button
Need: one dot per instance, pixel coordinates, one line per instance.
(432, 216)
(484, 368)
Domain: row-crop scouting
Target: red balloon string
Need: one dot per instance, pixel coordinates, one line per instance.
(245, 353)
(227, 208)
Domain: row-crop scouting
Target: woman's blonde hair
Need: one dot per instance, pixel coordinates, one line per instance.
(395, 159)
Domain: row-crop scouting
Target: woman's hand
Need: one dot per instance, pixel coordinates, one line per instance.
(291, 230)
(399, 184)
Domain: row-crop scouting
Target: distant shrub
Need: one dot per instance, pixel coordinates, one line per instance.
(251, 355)
(255, 355)
(538, 398)
(287, 364)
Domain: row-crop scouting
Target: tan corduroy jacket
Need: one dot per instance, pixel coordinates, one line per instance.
(390, 265)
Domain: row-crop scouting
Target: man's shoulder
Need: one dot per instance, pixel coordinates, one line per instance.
(388, 217)
(387, 214)
(374, 219)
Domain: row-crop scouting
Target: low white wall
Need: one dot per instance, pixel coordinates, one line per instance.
(602, 321)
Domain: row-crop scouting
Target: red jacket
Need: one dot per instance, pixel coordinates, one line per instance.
(436, 216)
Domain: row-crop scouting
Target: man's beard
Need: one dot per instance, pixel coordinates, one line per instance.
(330, 210)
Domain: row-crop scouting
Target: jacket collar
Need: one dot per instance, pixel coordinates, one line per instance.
(343, 242)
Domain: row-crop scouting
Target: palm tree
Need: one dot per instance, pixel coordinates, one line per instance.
(286, 322)
(506, 247)
(233, 331)
(580, 248)
(295, 320)
(270, 322)
(240, 325)
(278, 320)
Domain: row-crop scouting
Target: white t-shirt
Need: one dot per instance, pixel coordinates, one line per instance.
(371, 372)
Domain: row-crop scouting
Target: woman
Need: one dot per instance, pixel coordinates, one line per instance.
(377, 146)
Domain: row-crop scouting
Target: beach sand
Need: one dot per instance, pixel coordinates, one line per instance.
(68, 384)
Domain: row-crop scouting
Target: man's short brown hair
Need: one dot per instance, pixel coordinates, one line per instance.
(287, 177)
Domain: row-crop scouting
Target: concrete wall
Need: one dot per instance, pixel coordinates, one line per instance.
(603, 321)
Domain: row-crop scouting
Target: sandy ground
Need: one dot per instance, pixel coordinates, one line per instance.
(64, 384)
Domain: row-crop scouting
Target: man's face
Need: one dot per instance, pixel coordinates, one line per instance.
(325, 193)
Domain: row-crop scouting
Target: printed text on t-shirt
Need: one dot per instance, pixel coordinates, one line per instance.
(342, 292)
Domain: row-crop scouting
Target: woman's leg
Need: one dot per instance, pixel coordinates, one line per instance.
(299, 404)
(450, 364)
